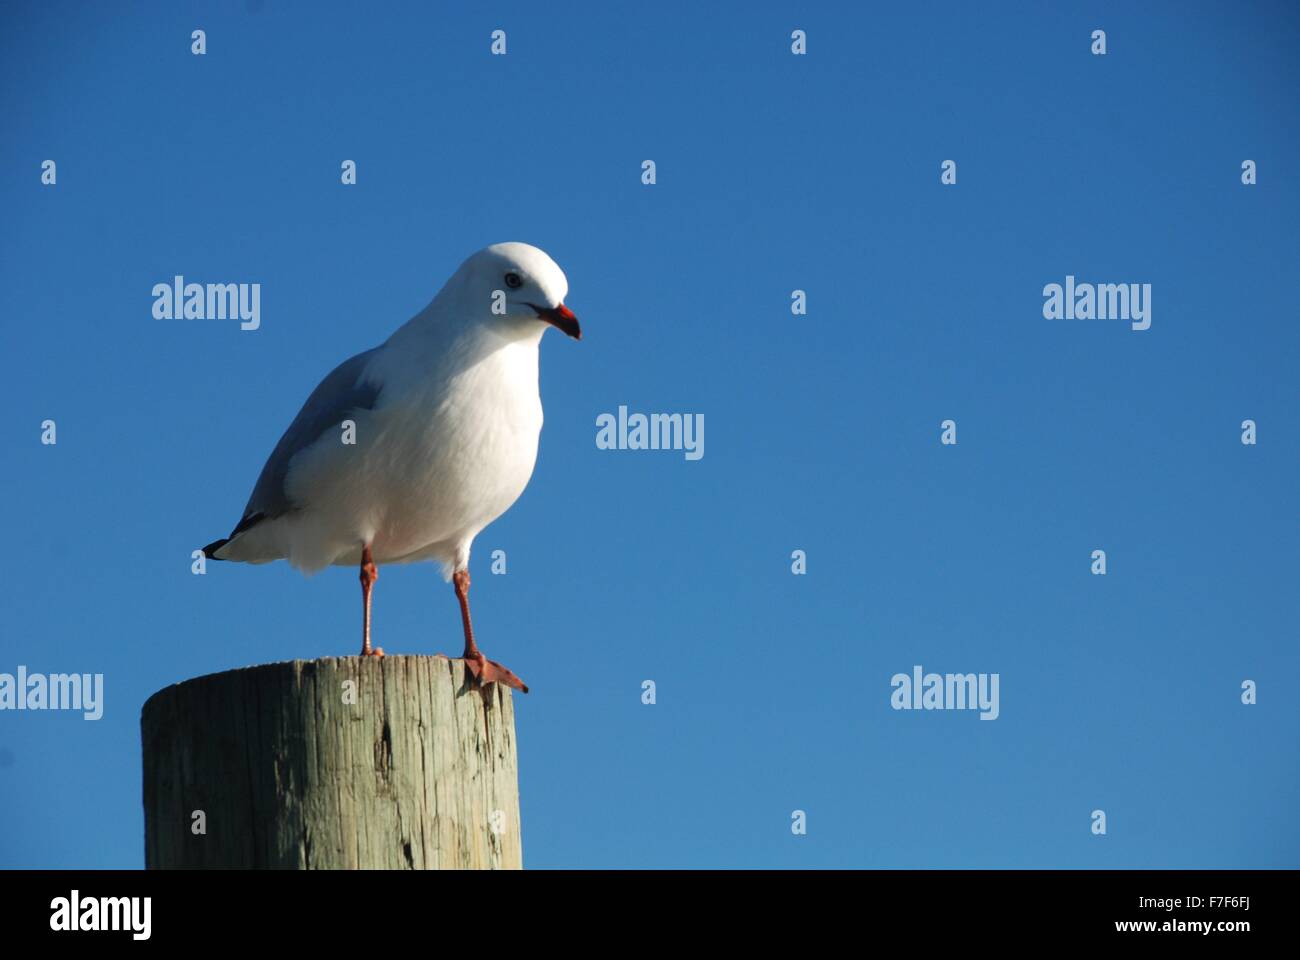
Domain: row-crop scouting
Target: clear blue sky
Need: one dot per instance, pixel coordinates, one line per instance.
(775, 173)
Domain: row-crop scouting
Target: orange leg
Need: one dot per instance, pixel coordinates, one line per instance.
(484, 670)
(369, 574)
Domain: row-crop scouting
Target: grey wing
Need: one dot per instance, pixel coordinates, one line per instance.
(340, 393)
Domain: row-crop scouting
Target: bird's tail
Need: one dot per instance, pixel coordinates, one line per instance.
(210, 551)
(249, 521)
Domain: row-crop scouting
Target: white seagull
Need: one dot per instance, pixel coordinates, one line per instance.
(445, 417)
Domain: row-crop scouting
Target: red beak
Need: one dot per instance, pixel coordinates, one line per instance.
(561, 318)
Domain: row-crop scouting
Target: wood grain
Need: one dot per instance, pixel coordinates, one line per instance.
(418, 772)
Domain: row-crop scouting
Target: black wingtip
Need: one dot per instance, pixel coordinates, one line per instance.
(251, 520)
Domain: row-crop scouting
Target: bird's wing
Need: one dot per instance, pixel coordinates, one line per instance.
(345, 390)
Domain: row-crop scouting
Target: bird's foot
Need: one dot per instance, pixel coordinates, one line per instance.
(376, 652)
(489, 671)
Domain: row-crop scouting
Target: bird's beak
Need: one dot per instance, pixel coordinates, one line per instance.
(561, 318)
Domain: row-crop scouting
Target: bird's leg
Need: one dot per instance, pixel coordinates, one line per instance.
(369, 574)
(484, 670)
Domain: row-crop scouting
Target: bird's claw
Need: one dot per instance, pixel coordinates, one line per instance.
(489, 671)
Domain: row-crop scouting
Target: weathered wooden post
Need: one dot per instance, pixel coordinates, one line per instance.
(394, 762)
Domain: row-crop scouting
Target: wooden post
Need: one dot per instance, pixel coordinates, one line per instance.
(344, 762)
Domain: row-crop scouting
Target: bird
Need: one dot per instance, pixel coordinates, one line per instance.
(405, 452)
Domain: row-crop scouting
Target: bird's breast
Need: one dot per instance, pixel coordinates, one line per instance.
(456, 454)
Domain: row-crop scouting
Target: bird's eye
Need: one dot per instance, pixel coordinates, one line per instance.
(514, 281)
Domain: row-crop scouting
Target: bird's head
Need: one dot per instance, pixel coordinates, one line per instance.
(519, 286)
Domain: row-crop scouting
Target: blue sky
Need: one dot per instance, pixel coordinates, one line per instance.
(774, 173)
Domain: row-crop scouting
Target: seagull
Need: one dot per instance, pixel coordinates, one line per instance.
(407, 451)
